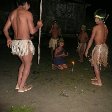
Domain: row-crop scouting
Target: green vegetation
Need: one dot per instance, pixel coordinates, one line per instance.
(21, 109)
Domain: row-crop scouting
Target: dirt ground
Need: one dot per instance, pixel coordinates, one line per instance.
(54, 90)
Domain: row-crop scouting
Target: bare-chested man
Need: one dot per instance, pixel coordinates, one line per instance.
(21, 21)
(83, 38)
(100, 51)
(55, 32)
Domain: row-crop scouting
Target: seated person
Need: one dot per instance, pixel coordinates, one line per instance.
(59, 56)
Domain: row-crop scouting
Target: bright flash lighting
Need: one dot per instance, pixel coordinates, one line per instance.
(73, 62)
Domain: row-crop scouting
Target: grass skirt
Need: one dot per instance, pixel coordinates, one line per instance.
(100, 55)
(22, 47)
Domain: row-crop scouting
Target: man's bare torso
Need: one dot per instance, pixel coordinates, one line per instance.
(83, 37)
(19, 23)
(55, 32)
(101, 33)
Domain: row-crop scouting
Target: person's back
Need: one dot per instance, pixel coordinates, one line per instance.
(19, 23)
(101, 32)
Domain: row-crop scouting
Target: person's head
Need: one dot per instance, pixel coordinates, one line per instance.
(61, 42)
(83, 27)
(54, 21)
(24, 3)
(99, 15)
(55, 24)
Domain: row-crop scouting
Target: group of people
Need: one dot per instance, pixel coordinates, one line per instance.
(56, 44)
(21, 20)
(99, 55)
(100, 51)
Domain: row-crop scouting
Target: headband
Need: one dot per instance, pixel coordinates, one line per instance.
(101, 17)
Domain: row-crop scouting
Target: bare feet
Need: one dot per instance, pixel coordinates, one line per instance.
(26, 88)
(60, 67)
(17, 86)
(54, 67)
(96, 83)
(93, 79)
(57, 67)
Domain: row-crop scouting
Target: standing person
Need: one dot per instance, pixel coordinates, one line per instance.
(21, 21)
(100, 51)
(83, 38)
(55, 32)
(59, 56)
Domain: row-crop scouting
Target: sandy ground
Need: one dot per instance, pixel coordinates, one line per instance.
(54, 90)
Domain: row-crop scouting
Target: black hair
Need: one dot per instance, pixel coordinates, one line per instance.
(22, 2)
(101, 13)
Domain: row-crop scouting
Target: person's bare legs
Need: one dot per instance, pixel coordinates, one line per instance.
(52, 52)
(93, 79)
(65, 66)
(20, 73)
(81, 53)
(81, 57)
(98, 78)
(27, 65)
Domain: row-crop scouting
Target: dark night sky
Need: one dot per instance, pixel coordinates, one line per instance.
(95, 4)
(8, 5)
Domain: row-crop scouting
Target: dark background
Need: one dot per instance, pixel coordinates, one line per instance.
(70, 14)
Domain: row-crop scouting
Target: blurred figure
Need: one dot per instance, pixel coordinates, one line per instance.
(55, 32)
(21, 21)
(59, 56)
(100, 51)
(83, 39)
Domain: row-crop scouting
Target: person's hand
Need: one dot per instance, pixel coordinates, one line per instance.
(63, 54)
(39, 24)
(9, 42)
(86, 53)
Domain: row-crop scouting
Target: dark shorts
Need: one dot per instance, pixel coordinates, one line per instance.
(59, 61)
